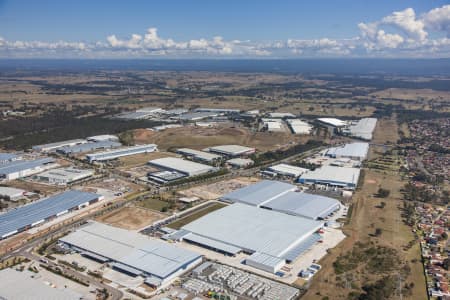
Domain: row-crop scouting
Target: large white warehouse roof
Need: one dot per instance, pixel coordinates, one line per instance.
(254, 229)
(303, 204)
(259, 193)
(232, 150)
(183, 166)
(333, 122)
(344, 177)
(287, 170)
(131, 249)
(363, 128)
(353, 150)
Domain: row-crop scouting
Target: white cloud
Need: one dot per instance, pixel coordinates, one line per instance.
(438, 19)
(401, 34)
(406, 21)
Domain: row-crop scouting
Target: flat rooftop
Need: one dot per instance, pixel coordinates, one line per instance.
(16, 285)
(333, 174)
(303, 204)
(231, 149)
(259, 193)
(39, 211)
(199, 154)
(333, 122)
(254, 229)
(132, 249)
(285, 169)
(21, 165)
(181, 165)
(359, 150)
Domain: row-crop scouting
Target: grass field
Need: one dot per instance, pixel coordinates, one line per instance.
(152, 203)
(188, 219)
(367, 216)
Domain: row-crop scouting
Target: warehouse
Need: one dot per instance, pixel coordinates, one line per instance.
(273, 125)
(133, 115)
(35, 213)
(163, 177)
(259, 193)
(114, 154)
(281, 115)
(363, 128)
(333, 176)
(151, 110)
(179, 165)
(103, 138)
(332, 122)
(54, 146)
(11, 194)
(299, 127)
(287, 170)
(218, 110)
(22, 168)
(231, 150)
(240, 162)
(22, 285)
(199, 155)
(8, 157)
(86, 147)
(132, 253)
(306, 205)
(356, 151)
(63, 176)
(244, 228)
(196, 116)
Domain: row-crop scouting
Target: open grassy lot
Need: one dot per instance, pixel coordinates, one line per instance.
(199, 138)
(198, 214)
(367, 217)
(153, 203)
(132, 217)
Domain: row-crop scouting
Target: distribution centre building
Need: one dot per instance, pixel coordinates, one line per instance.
(132, 253)
(272, 238)
(259, 193)
(57, 145)
(114, 154)
(35, 213)
(9, 157)
(363, 128)
(87, 147)
(231, 150)
(11, 194)
(23, 168)
(334, 176)
(284, 197)
(189, 168)
(356, 151)
(287, 170)
(299, 127)
(199, 155)
(16, 285)
(63, 176)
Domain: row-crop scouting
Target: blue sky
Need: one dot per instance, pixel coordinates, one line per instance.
(250, 28)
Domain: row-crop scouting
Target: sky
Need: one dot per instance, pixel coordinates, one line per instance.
(224, 29)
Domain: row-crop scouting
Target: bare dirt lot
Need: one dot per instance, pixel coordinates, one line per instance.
(199, 138)
(141, 159)
(217, 189)
(131, 217)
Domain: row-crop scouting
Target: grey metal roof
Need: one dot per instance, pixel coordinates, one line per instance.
(363, 128)
(332, 175)
(349, 150)
(231, 149)
(21, 165)
(112, 154)
(91, 146)
(259, 193)
(40, 210)
(254, 229)
(192, 237)
(265, 259)
(199, 154)
(20, 285)
(7, 156)
(301, 247)
(134, 115)
(181, 165)
(196, 115)
(131, 249)
(59, 144)
(304, 204)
